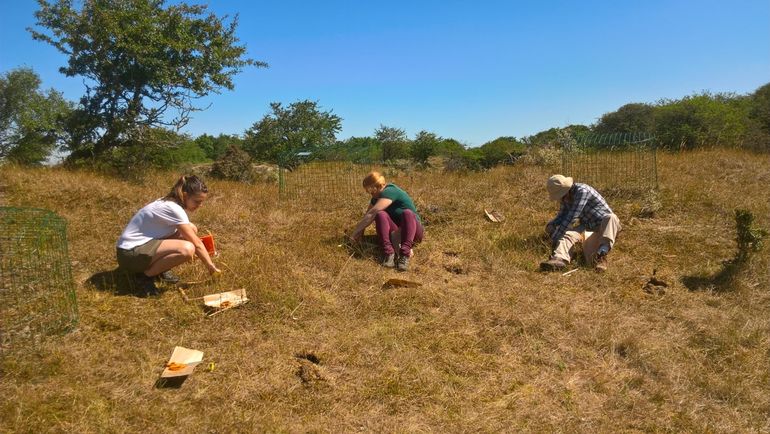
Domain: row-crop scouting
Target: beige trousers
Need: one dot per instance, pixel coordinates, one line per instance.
(606, 234)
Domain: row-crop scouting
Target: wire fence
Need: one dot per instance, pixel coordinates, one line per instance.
(620, 162)
(37, 293)
(317, 177)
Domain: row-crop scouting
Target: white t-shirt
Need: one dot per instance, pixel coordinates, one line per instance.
(156, 220)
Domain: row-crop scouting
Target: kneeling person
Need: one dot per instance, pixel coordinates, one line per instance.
(394, 215)
(582, 209)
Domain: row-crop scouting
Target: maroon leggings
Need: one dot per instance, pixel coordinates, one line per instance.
(411, 231)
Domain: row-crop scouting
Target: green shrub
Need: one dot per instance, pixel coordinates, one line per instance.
(749, 238)
(503, 150)
(235, 165)
(466, 160)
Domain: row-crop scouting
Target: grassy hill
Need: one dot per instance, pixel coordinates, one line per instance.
(487, 343)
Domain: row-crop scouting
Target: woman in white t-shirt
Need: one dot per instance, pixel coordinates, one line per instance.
(160, 236)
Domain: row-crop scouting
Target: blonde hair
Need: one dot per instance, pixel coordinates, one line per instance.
(186, 184)
(374, 180)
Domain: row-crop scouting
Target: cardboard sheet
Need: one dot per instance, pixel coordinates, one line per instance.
(182, 362)
(400, 283)
(226, 300)
(494, 216)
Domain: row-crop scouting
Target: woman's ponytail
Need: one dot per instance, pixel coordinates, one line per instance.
(186, 184)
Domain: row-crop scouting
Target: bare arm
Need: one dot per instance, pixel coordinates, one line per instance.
(188, 232)
(178, 235)
(368, 218)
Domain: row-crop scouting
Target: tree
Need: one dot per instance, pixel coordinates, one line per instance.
(359, 149)
(758, 122)
(300, 126)
(554, 136)
(216, 147)
(463, 160)
(450, 147)
(141, 61)
(503, 150)
(760, 107)
(394, 142)
(424, 146)
(30, 120)
(630, 118)
(703, 119)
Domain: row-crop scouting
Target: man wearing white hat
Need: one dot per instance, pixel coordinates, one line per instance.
(584, 216)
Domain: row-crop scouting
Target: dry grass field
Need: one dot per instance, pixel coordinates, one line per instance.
(486, 344)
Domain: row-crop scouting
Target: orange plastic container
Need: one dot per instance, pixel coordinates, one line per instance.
(208, 241)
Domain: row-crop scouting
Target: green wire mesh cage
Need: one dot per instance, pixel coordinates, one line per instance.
(311, 174)
(621, 162)
(37, 293)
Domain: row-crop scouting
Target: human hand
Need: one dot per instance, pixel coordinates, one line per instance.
(351, 237)
(214, 271)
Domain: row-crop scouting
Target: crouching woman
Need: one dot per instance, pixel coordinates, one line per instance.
(395, 218)
(160, 236)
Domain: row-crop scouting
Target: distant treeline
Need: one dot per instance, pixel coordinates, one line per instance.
(34, 124)
(143, 82)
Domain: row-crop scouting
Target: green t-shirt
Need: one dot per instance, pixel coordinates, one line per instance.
(401, 201)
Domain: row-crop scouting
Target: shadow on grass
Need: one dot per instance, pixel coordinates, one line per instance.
(116, 281)
(722, 281)
(539, 243)
(170, 382)
(367, 248)
(749, 240)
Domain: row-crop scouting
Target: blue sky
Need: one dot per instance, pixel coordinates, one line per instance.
(473, 71)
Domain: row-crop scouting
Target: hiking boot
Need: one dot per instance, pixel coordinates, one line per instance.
(389, 261)
(168, 277)
(553, 264)
(403, 263)
(600, 263)
(145, 285)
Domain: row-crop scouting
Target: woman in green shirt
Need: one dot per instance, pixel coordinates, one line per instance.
(391, 210)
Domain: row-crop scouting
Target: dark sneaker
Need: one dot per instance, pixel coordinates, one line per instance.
(553, 264)
(389, 261)
(403, 263)
(600, 263)
(168, 277)
(145, 285)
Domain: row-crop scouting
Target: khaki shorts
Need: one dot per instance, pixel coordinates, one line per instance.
(138, 259)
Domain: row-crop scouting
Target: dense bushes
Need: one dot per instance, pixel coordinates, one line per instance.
(33, 124)
(700, 120)
(235, 165)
